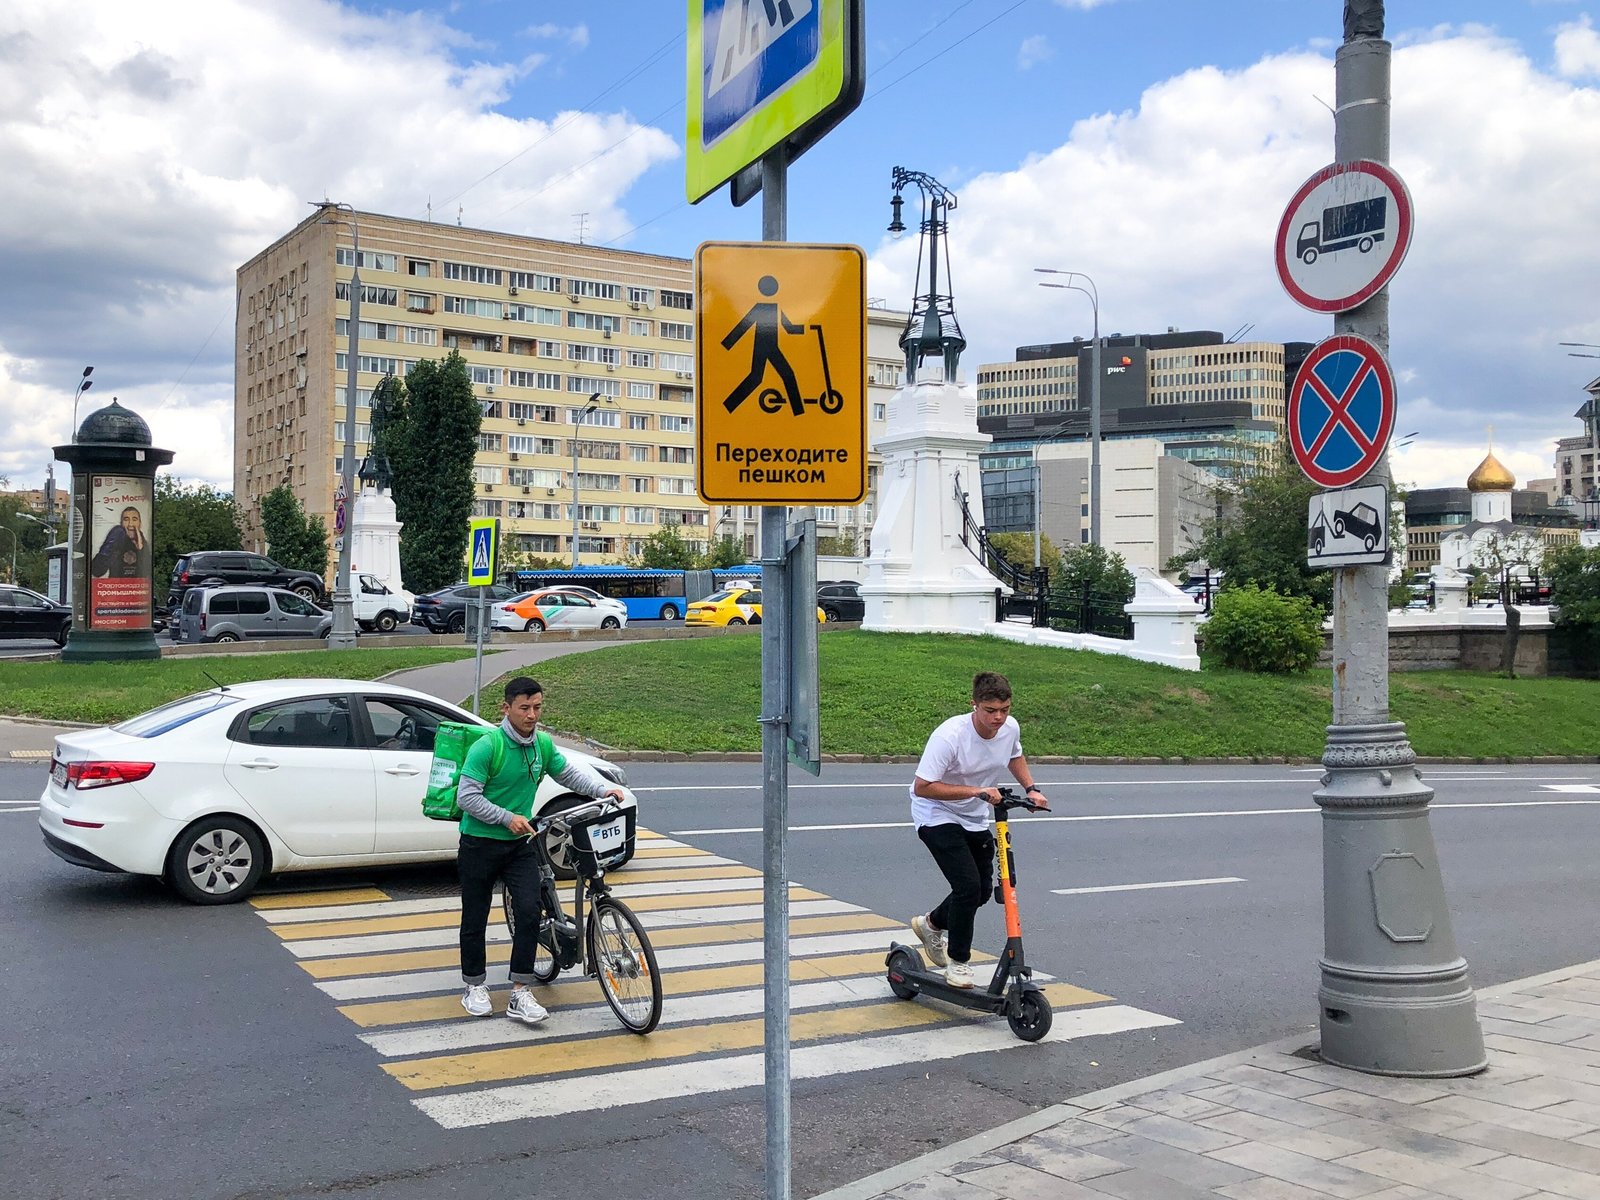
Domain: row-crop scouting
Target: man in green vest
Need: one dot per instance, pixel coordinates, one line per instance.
(496, 793)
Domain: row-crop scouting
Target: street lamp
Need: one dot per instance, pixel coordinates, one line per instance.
(1591, 413)
(343, 636)
(1094, 389)
(84, 384)
(595, 400)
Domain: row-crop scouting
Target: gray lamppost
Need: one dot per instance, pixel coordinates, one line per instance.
(595, 400)
(1094, 389)
(931, 329)
(1590, 412)
(84, 384)
(343, 636)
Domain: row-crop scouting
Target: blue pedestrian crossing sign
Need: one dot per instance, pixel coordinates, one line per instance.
(764, 73)
(483, 556)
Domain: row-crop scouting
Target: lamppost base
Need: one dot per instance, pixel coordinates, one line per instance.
(86, 646)
(1412, 1023)
(342, 641)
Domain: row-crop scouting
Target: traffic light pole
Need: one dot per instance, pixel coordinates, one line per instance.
(1394, 997)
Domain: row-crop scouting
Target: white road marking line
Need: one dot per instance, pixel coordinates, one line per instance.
(614, 1089)
(1035, 818)
(451, 1036)
(17, 806)
(421, 939)
(1571, 787)
(1144, 887)
(368, 987)
(904, 786)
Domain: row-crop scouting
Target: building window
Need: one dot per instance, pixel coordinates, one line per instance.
(684, 300)
(677, 331)
(641, 391)
(593, 289)
(469, 273)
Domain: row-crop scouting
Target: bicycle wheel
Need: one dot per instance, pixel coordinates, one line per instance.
(546, 965)
(622, 957)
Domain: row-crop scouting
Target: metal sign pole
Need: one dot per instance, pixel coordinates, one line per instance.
(775, 684)
(1394, 998)
(477, 656)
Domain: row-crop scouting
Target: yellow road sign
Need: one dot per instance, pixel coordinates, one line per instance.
(781, 373)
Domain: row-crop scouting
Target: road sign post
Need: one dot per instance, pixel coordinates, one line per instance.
(1394, 997)
(483, 564)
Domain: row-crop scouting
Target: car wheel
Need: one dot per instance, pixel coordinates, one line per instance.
(558, 845)
(669, 612)
(455, 623)
(386, 622)
(226, 637)
(1369, 541)
(610, 623)
(61, 635)
(732, 621)
(534, 625)
(305, 591)
(217, 860)
(1338, 529)
(830, 614)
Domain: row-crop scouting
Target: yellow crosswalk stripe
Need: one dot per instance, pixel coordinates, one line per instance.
(446, 918)
(317, 899)
(669, 852)
(397, 962)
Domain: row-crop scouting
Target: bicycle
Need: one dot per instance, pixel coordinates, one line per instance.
(602, 935)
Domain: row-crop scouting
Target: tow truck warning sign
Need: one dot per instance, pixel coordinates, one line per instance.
(781, 373)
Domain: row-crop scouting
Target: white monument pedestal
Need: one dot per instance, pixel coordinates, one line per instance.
(920, 577)
(1164, 621)
(1449, 590)
(375, 548)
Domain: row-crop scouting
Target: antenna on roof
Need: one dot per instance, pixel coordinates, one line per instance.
(1241, 331)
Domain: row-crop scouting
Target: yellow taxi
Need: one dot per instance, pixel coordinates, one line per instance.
(736, 604)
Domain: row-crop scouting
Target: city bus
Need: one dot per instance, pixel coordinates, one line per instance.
(648, 593)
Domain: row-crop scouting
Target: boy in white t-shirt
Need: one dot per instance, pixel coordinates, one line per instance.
(952, 800)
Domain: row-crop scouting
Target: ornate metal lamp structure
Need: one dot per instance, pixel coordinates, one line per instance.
(931, 330)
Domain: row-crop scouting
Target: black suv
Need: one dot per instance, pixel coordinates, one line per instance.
(24, 613)
(445, 611)
(218, 568)
(840, 600)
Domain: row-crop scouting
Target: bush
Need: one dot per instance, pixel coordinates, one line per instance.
(1255, 630)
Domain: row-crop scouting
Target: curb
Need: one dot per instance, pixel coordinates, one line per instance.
(947, 1156)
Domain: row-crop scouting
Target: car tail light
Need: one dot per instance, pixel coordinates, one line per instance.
(86, 775)
(183, 577)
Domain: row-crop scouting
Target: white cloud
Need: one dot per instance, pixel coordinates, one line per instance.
(1033, 51)
(1084, 5)
(150, 149)
(1578, 49)
(1172, 207)
(573, 35)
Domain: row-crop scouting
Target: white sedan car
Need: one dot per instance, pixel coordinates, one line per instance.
(558, 608)
(215, 791)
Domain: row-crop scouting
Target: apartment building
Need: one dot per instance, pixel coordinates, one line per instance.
(542, 324)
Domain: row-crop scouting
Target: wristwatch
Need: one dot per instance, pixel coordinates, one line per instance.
(1032, 787)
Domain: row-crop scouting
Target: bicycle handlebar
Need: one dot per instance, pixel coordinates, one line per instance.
(563, 820)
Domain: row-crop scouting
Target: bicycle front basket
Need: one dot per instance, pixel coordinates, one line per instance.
(603, 841)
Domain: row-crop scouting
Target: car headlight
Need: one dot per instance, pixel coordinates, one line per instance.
(612, 772)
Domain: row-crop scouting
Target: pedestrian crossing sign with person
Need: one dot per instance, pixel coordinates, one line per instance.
(780, 361)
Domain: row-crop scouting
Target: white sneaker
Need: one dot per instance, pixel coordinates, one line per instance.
(958, 974)
(476, 1000)
(523, 1007)
(933, 940)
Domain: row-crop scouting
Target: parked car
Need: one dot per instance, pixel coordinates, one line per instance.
(739, 604)
(1362, 522)
(231, 614)
(24, 613)
(217, 790)
(840, 600)
(445, 611)
(215, 568)
(556, 608)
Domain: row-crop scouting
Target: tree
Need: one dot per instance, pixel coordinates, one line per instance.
(190, 517)
(666, 549)
(31, 540)
(1259, 536)
(294, 539)
(727, 551)
(431, 440)
(839, 545)
(1017, 549)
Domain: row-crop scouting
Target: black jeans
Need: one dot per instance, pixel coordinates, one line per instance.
(967, 859)
(480, 863)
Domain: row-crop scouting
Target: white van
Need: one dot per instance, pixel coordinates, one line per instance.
(377, 607)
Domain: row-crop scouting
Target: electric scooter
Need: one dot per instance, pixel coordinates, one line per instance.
(1012, 990)
(831, 401)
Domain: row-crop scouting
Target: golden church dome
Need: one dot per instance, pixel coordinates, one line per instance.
(1491, 476)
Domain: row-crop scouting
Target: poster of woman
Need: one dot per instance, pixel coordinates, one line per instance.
(119, 525)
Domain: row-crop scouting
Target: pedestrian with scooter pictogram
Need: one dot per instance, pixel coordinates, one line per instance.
(766, 323)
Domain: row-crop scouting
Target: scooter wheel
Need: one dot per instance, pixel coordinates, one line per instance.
(832, 401)
(1031, 1016)
(901, 962)
(771, 400)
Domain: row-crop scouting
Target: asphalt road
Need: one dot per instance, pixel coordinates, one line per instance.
(156, 1050)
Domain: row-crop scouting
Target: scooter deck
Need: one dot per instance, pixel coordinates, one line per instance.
(929, 983)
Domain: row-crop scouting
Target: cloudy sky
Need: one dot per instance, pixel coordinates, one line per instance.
(149, 149)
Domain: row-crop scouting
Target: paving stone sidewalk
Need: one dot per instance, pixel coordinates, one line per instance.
(1275, 1124)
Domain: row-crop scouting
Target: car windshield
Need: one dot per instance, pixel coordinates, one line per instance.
(724, 594)
(170, 716)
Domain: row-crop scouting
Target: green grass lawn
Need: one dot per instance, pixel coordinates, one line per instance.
(883, 693)
(103, 692)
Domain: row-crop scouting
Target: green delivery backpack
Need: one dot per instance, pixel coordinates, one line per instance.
(450, 745)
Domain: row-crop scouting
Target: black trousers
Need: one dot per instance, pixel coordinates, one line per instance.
(480, 863)
(966, 858)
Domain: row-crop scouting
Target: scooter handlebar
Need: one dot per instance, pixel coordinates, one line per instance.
(1010, 798)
